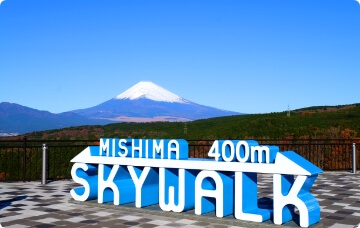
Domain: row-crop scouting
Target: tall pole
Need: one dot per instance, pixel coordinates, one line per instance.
(354, 158)
(288, 112)
(44, 165)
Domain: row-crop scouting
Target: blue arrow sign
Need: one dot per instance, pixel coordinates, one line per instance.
(130, 170)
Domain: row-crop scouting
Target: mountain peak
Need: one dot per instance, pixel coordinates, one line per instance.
(150, 91)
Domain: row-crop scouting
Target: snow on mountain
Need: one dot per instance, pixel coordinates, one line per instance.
(150, 91)
(147, 102)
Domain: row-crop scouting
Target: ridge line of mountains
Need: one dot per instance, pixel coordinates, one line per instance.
(143, 102)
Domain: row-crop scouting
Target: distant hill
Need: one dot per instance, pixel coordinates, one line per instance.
(342, 122)
(15, 118)
(144, 102)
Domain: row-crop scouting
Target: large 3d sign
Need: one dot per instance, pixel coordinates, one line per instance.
(158, 171)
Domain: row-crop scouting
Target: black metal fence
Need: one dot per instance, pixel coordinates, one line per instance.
(21, 160)
(329, 155)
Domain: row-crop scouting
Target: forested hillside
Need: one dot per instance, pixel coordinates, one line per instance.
(315, 122)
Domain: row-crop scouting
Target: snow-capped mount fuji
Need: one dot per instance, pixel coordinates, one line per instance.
(150, 91)
(146, 102)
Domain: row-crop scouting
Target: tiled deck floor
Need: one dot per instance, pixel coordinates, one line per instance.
(31, 204)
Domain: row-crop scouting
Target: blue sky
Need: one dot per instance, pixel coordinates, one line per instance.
(250, 56)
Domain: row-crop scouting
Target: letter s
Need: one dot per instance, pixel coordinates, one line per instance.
(84, 174)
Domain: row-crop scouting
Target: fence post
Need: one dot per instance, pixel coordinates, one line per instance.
(44, 164)
(24, 160)
(354, 158)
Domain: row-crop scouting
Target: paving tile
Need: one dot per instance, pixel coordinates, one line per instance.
(47, 220)
(144, 220)
(75, 219)
(328, 210)
(129, 217)
(337, 225)
(131, 223)
(186, 221)
(102, 214)
(17, 226)
(26, 222)
(89, 221)
(147, 225)
(45, 225)
(159, 222)
(337, 218)
(31, 204)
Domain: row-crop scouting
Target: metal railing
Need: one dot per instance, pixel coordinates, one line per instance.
(329, 155)
(22, 160)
